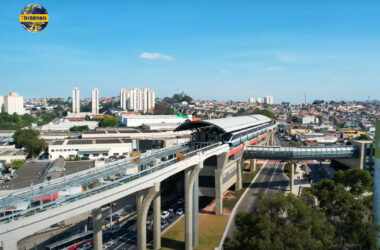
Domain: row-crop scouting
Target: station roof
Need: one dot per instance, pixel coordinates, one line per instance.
(228, 124)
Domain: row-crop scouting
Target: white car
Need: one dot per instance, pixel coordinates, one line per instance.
(165, 215)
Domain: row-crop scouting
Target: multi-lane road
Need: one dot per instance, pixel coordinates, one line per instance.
(271, 179)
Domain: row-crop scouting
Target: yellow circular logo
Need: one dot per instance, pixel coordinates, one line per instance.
(34, 17)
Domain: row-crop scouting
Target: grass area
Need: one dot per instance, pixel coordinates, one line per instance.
(211, 228)
(247, 178)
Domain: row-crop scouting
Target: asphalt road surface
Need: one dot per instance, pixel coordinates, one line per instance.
(270, 180)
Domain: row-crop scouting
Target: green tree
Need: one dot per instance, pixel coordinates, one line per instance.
(350, 214)
(282, 222)
(79, 128)
(356, 180)
(265, 112)
(363, 137)
(16, 164)
(163, 108)
(178, 98)
(109, 121)
(29, 139)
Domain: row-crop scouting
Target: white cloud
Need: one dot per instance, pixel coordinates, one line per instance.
(155, 56)
(274, 68)
(286, 57)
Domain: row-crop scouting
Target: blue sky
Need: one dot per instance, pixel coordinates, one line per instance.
(220, 49)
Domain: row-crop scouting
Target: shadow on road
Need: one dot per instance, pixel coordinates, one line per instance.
(172, 244)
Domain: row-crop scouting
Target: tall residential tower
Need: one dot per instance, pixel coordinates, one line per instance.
(137, 99)
(13, 103)
(95, 101)
(76, 100)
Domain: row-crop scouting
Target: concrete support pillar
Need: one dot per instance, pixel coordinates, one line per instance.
(253, 163)
(269, 138)
(291, 181)
(376, 178)
(222, 161)
(157, 222)
(266, 143)
(218, 192)
(97, 223)
(8, 244)
(191, 175)
(196, 212)
(139, 202)
(188, 211)
(362, 156)
(239, 176)
(142, 214)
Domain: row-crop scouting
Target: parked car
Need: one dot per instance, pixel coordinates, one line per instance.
(179, 211)
(165, 215)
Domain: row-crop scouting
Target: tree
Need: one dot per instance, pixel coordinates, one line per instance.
(79, 128)
(16, 164)
(349, 212)
(363, 137)
(108, 121)
(29, 139)
(282, 222)
(265, 112)
(163, 108)
(178, 98)
(356, 180)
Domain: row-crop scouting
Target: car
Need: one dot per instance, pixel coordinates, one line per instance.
(179, 211)
(165, 215)
(163, 225)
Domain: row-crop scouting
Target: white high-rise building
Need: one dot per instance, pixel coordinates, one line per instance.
(137, 99)
(1, 103)
(251, 100)
(268, 100)
(260, 100)
(13, 103)
(123, 101)
(95, 101)
(76, 101)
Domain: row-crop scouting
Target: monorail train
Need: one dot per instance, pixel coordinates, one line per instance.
(252, 135)
(257, 133)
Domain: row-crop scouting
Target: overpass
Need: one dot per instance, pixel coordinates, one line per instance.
(128, 177)
(354, 153)
(301, 153)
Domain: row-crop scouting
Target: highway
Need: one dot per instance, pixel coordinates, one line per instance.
(270, 180)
